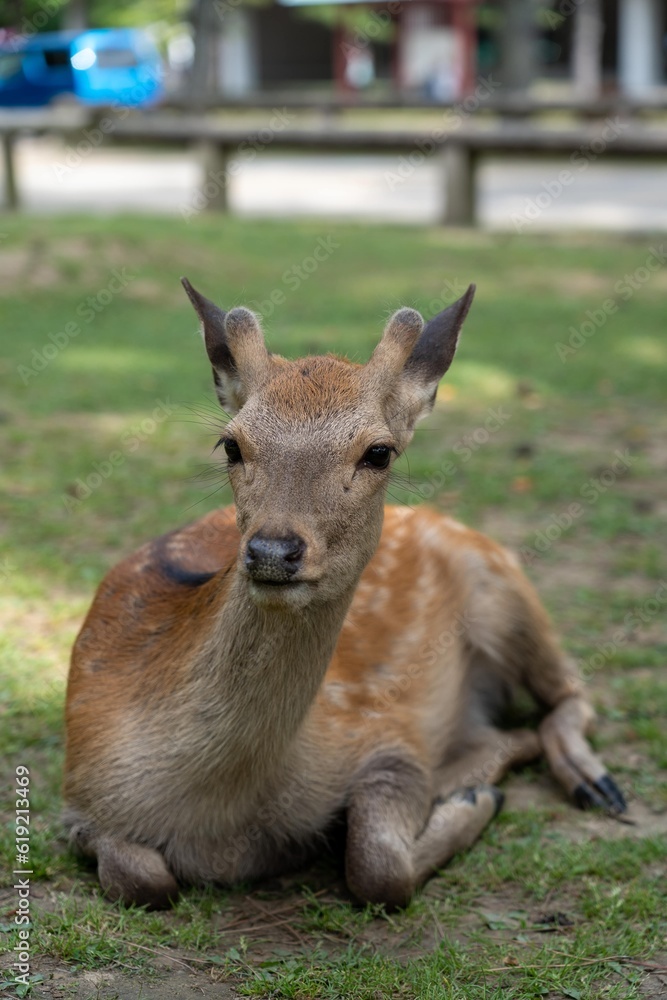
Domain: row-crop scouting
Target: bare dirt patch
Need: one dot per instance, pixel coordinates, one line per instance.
(168, 982)
(582, 827)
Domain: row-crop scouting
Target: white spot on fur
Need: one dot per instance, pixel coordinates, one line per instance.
(453, 525)
(380, 597)
(474, 559)
(337, 695)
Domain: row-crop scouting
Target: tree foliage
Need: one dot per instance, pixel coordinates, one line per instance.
(18, 14)
(358, 20)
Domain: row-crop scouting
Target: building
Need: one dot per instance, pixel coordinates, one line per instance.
(606, 46)
(419, 47)
(436, 49)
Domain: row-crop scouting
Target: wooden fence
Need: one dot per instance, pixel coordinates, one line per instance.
(458, 150)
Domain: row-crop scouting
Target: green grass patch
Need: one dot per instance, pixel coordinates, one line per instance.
(108, 420)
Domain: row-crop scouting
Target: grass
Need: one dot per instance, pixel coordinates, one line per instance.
(108, 442)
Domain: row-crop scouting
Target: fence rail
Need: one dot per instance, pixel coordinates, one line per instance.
(457, 150)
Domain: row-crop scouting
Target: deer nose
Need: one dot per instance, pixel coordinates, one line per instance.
(274, 560)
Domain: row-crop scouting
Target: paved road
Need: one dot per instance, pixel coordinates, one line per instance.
(522, 195)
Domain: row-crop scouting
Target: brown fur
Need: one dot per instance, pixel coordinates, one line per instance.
(216, 725)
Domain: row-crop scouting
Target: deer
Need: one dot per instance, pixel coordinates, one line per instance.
(311, 656)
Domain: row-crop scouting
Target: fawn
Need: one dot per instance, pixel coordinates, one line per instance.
(240, 683)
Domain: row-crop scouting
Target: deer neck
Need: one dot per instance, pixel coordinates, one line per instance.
(261, 669)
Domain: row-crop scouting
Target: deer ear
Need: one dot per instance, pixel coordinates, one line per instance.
(431, 356)
(235, 348)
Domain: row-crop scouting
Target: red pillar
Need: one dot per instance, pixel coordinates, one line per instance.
(396, 52)
(464, 22)
(338, 37)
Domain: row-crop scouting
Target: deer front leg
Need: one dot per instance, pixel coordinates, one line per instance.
(135, 874)
(530, 653)
(130, 873)
(582, 774)
(397, 835)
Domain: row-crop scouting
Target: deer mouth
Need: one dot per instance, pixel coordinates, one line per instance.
(281, 593)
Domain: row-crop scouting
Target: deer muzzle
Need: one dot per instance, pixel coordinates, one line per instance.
(274, 561)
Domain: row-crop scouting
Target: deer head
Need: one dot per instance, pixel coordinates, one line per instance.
(311, 443)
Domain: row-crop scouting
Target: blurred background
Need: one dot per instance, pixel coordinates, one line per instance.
(311, 102)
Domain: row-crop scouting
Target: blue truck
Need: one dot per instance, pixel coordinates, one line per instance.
(97, 67)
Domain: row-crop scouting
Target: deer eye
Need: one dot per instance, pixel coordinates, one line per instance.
(232, 451)
(378, 456)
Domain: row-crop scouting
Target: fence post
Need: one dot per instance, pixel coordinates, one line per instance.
(458, 164)
(213, 187)
(11, 198)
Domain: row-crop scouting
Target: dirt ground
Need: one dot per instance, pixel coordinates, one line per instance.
(267, 917)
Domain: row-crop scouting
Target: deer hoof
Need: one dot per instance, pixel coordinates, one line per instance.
(601, 794)
(470, 792)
